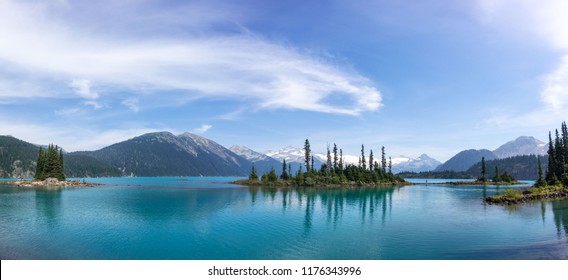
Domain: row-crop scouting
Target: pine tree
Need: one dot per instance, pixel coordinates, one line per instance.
(40, 166)
(550, 177)
(328, 167)
(371, 160)
(559, 153)
(272, 177)
(50, 163)
(565, 142)
(61, 174)
(253, 176)
(335, 160)
(363, 160)
(390, 165)
(284, 175)
(540, 182)
(300, 176)
(383, 159)
(496, 177)
(307, 154)
(312, 164)
(341, 160)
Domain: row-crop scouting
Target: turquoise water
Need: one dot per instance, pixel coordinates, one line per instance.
(208, 218)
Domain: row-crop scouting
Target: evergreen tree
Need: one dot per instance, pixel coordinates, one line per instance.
(284, 175)
(540, 182)
(253, 176)
(307, 154)
(371, 160)
(363, 160)
(390, 165)
(496, 177)
(50, 164)
(300, 176)
(550, 178)
(40, 166)
(328, 167)
(565, 142)
(312, 169)
(335, 160)
(61, 173)
(272, 177)
(383, 159)
(341, 160)
(559, 153)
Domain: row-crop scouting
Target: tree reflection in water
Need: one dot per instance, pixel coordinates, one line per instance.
(368, 201)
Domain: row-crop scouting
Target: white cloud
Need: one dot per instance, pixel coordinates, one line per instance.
(211, 65)
(555, 92)
(542, 21)
(83, 88)
(96, 105)
(132, 104)
(71, 138)
(202, 129)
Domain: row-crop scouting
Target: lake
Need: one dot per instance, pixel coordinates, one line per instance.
(209, 218)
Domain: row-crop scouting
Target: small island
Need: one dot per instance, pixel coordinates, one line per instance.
(498, 179)
(49, 171)
(333, 173)
(553, 186)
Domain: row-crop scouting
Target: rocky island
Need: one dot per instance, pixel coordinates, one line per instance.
(52, 182)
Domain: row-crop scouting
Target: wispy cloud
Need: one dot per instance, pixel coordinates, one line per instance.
(546, 22)
(132, 104)
(202, 129)
(72, 138)
(555, 92)
(83, 88)
(208, 65)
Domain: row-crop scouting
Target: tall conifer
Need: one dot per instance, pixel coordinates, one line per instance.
(307, 154)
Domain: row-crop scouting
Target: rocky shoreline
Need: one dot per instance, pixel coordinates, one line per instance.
(52, 182)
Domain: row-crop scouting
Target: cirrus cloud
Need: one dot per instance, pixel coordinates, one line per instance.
(209, 65)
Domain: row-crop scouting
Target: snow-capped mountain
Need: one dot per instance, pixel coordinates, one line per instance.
(422, 163)
(247, 153)
(262, 162)
(524, 145)
(295, 156)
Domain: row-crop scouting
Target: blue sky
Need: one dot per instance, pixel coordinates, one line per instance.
(417, 77)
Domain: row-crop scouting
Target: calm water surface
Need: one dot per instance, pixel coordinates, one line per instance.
(208, 218)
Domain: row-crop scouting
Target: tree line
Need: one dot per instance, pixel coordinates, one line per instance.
(50, 163)
(557, 169)
(368, 171)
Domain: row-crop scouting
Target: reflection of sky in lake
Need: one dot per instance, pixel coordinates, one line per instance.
(209, 219)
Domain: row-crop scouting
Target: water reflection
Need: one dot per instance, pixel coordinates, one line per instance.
(369, 202)
(48, 203)
(560, 211)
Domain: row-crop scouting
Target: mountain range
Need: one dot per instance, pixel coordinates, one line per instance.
(262, 163)
(420, 164)
(523, 145)
(187, 154)
(165, 154)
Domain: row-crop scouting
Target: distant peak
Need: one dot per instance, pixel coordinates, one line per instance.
(189, 134)
(239, 148)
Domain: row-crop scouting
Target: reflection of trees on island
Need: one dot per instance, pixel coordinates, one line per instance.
(48, 203)
(371, 202)
(560, 211)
